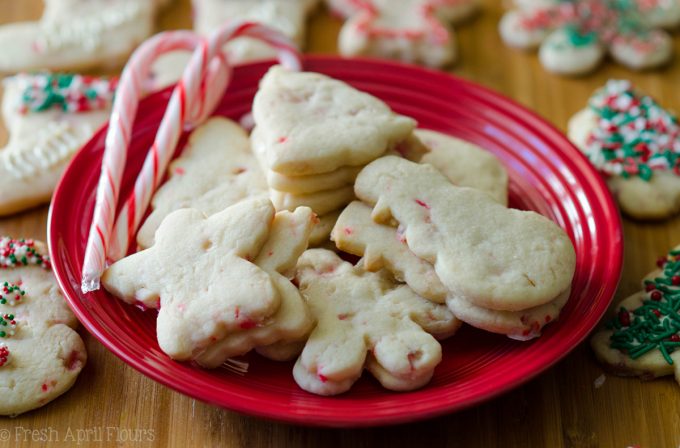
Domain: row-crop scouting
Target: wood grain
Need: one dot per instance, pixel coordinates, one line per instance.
(561, 408)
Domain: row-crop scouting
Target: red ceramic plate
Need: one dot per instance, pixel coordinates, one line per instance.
(547, 175)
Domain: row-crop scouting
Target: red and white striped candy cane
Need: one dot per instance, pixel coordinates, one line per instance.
(193, 97)
(124, 111)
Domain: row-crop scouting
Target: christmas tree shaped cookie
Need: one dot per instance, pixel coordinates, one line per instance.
(643, 337)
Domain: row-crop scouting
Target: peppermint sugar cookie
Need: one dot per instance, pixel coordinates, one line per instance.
(643, 335)
(635, 144)
(575, 35)
(215, 170)
(77, 34)
(213, 301)
(515, 261)
(343, 126)
(292, 322)
(40, 353)
(289, 17)
(198, 271)
(315, 165)
(365, 319)
(48, 118)
(465, 164)
(383, 246)
(414, 30)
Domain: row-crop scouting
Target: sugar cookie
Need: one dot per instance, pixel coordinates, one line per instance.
(643, 336)
(215, 170)
(360, 312)
(40, 354)
(575, 35)
(494, 257)
(48, 118)
(77, 34)
(415, 31)
(635, 143)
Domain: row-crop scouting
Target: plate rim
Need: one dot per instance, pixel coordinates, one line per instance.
(540, 124)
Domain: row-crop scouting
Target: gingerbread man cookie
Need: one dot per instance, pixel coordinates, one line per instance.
(635, 143)
(413, 31)
(515, 261)
(198, 274)
(365, 319)
(198, 271)
(48, 118)
(643, 336)
(292, 322)
(575, 35)
(216, 169)
(77, 34)
(40, 354)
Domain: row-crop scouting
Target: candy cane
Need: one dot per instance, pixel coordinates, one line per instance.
(118, 136)
(189, 95)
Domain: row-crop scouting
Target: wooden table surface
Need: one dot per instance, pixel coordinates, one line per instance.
(560, 408)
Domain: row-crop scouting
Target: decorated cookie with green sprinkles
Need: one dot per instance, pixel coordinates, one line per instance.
(574, 36)
(40, 353)
(642, 336)
(635, 144)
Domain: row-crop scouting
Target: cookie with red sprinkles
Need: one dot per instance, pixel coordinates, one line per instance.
(635, 144)
(642, 336)
(40, 353)
(574, 36)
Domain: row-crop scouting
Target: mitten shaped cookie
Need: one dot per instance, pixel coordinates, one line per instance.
(40, 354)
(414, 30)
(48, 118)
(643, 336)
(216, 169)
(292, 322)
(635, 143)
(493, 257)
(198, 274)
(358, 313)
(383, 246)
(77, 34)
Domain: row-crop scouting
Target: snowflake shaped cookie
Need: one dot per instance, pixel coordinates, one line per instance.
(413, 30)
(575, 35)
(635, 143)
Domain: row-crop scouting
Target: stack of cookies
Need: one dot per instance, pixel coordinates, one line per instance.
(313, 135)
